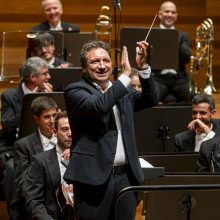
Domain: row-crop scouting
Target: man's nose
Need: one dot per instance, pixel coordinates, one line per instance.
(101, 64)
(198, 115)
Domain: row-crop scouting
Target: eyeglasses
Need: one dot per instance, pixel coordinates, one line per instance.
(45, 74)
(45, 46)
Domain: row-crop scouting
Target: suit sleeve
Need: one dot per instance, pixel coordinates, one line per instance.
(22, 162)
(9, 116)
(177, 145)
(35, 191)
(203, 160)
(184, 49)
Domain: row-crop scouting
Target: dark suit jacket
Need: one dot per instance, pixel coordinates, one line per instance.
(185, 141)
(94, 130)
(67, 27)
(42, 182)
(11, 105)
(24, 149)
(205, 154)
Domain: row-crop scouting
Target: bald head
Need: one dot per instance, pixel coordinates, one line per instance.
(168, 14)
(46, 2)
(166, 4)
(52, 10)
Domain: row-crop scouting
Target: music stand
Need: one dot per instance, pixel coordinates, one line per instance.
(155, 127)
(73, 43)
(174, 163)
(27, 123)
(61, 77)
(163, 51)
(183, 204)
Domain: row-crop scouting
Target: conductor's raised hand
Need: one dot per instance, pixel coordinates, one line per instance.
(141, 54)
(125, 64)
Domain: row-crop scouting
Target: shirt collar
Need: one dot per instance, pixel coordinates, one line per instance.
(58, 27)
(98, 87)
(25, 89)
(51, 62)
(163, 27)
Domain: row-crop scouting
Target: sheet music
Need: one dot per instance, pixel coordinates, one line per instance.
(144, 163)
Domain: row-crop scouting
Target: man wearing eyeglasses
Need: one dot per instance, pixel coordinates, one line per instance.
(44, 47)
(35, 77)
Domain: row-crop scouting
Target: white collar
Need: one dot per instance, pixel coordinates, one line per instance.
(58, 27)
(163, 27)
(99, 87)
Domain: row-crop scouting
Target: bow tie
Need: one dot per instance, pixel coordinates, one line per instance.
(50, 142)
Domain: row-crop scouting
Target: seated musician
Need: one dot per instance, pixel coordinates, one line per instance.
(52, 11)
(46, 174)
(209, 155)
(44, 47)
(34, 78)
(202, 127)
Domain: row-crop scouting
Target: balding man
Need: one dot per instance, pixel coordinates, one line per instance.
(174, 81)
(52, 11)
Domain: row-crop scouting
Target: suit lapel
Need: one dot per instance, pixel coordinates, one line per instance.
(53, 169)
(36, 143)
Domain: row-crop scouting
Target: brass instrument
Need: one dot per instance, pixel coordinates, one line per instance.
(103, 25)
(204, 46)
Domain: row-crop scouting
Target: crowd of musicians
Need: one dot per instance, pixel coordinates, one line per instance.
(80, 157)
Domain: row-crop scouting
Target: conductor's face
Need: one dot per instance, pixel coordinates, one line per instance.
(99, 66)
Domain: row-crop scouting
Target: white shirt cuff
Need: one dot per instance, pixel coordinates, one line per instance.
(125, 80)
(145, 74)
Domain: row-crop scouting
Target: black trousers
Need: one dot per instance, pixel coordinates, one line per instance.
(176, 85)
(96, 202)
(15, 207)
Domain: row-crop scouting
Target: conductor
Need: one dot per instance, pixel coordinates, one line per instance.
(104, 155)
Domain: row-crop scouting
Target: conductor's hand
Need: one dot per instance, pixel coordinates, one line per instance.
(125, 64)
(141, 54)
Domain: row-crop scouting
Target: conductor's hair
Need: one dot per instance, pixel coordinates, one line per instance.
(89, 46)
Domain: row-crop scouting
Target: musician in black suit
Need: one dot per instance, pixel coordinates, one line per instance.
(44, 47)
(104, 155)
(202, 127)
(35, 77)
(44, 111)
(52, 11)
(205, 160)
(46, 173)
(171, 81)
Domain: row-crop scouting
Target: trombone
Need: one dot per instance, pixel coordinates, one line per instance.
(204, 51)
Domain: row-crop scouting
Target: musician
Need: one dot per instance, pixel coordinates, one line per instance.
(135, 81)
(104, 154)
(202, 127)
(35, 77)
(44, 110)
(208, 159)
(44, 47)
(52, 11)
(46, 173)
(171, 81)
